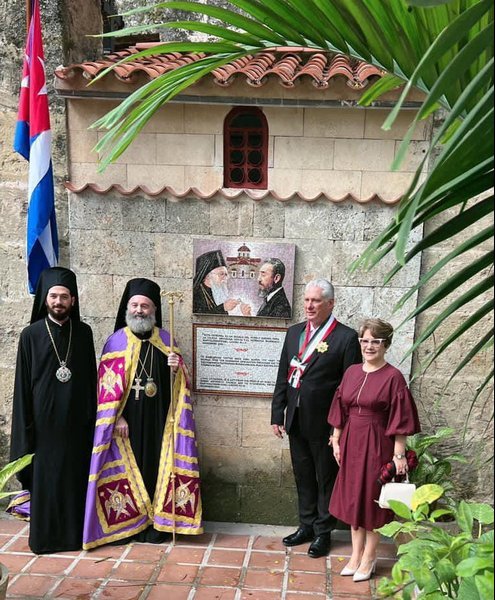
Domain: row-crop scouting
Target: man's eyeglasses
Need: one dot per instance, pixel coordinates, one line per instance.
(374, 343)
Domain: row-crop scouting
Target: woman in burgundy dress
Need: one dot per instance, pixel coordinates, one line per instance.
(372, 413)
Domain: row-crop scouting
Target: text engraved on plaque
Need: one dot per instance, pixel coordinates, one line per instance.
(239, 360)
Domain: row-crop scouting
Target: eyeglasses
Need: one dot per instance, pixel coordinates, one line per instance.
(374, 343)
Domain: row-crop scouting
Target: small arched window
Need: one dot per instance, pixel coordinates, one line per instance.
(246, 149)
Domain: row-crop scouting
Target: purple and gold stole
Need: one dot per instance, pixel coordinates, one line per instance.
(117, 503)
(20, 506)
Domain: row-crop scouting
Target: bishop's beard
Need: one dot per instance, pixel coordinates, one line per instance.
(220, 293)
(140, 324)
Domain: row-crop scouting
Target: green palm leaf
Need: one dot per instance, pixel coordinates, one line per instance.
(463, 328)
(442, 47)
(10, 470)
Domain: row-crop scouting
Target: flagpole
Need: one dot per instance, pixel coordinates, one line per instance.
(29, 12)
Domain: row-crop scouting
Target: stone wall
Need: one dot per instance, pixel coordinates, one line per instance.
(334, 151)
(445, 403)
(66, 24)
(107, 239)
(246, 471)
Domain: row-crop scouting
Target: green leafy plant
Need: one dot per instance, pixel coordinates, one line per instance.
(433, 468)
(435, 563)
(6, 472)
(9, 470)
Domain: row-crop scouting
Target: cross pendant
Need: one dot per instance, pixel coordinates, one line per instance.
(137, 387)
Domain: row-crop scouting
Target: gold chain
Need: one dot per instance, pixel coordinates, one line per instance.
(62, 363)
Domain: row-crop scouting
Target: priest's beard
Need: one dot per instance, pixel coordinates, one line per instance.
(220, 293)
(59, 316)
(140, 324)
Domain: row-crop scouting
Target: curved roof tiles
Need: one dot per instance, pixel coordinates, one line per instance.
(290, 66)
(287, 65)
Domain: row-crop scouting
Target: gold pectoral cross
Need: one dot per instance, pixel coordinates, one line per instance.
(137, 387)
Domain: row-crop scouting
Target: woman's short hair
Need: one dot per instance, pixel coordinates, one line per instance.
(379, 329)
(325, 286)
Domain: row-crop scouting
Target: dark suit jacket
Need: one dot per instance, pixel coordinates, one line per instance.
(318, 383)
(277, 306)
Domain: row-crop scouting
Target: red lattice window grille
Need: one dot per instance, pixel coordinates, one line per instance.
(246, 149)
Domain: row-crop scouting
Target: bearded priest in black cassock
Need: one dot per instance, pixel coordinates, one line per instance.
(53, 415)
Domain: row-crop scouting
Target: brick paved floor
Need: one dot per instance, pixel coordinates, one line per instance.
(226, 563)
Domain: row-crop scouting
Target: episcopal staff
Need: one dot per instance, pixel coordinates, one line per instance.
(53, 413)
(129, 493)
(314, 357)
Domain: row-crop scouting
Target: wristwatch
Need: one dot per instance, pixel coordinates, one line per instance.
(399, 456)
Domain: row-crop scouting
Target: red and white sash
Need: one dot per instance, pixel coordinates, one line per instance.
(299, 363)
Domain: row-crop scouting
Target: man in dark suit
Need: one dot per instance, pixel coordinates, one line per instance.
(270, 278)
(314, 357)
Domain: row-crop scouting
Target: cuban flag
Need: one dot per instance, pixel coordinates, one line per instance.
(33, 139)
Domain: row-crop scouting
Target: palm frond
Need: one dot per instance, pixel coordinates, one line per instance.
(442, 47)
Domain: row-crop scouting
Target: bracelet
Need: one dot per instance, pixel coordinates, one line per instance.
(399, 456)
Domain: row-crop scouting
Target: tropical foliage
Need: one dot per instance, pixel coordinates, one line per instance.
(437, 563)
(443, 48)
(433, 468)
(9, 470)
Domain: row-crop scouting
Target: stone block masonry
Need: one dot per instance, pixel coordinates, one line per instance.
(245, 469)
(109, 238)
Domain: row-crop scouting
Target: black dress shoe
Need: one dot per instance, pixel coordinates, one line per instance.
(320, 546)
(301, 536)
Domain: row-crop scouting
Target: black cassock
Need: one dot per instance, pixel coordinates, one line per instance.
(146, 417)
(203, 301)
(56, 421)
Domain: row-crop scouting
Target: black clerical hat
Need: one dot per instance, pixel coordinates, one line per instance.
(205, 263)
(48, 279)
(139, 287)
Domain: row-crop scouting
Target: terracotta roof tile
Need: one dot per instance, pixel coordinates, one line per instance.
(287, 64)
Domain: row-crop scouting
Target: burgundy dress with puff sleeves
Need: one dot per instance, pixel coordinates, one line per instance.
(371, 409)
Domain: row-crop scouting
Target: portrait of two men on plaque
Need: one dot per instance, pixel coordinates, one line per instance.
(245, 279)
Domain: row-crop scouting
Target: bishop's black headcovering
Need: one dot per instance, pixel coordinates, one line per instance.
(48, 279)
(139, 287)
(205, 263)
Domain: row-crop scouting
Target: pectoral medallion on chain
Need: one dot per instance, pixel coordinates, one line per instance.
(150, 387)
(63, 373)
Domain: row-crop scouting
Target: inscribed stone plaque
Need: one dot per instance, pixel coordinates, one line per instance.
(237, 360)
